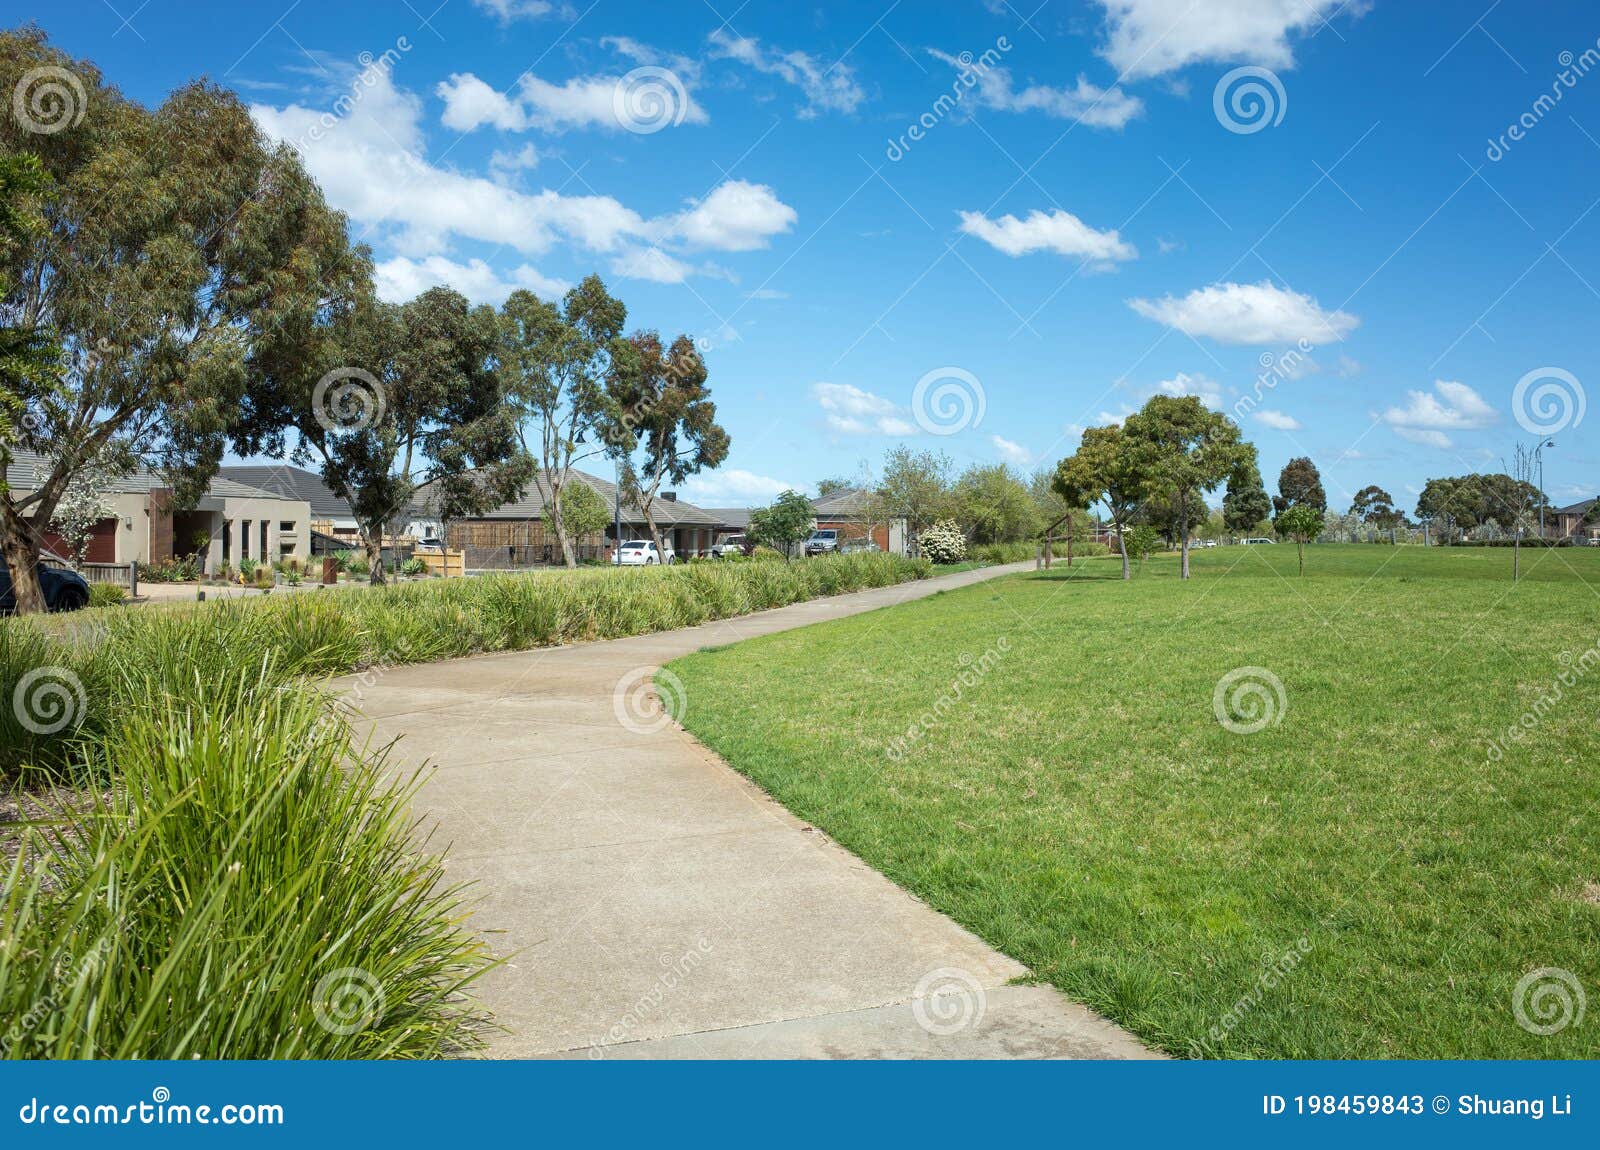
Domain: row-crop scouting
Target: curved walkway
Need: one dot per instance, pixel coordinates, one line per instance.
(655, 904)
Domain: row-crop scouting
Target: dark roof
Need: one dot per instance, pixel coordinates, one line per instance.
(28, 469)
(1580, 508)
(289, 482)
(668, 512)
(847, 501)
(731, 516)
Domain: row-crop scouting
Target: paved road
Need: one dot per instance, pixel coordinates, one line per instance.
(655, 904)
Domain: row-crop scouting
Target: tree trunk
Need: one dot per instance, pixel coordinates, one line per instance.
(21, 549)
(1122, 542)
(1183, 529)
(1516, 556)
(1069, 542)
(560, 524)
(1300, 553)
(372, 542)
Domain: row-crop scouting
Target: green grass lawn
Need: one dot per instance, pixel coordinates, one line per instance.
(1362, 878)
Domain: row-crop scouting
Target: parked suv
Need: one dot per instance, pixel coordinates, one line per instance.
(63, 590)
(822, 541)
(730, 546)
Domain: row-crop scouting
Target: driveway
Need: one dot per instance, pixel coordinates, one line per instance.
(652, 903)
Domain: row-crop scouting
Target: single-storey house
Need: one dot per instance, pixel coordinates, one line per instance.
(849, 512)
(233, 519)
(1569, 521)
(513, 535)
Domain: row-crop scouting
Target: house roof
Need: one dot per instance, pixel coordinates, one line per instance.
(731, 516)
(28, 470)
(668, 512)
(288, 482)
(845, 502)
(1579, 508)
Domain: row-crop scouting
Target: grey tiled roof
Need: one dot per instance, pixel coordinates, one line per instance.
(668, 513)
(846, 501)
(28, 470)
(289, 482)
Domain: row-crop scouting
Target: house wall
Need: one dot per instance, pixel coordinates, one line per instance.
(288, 531)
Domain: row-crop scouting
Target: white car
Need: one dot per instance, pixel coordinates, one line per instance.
(642, 553)
(1257, 539)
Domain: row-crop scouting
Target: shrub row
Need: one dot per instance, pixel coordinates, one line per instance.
(251, 887)
(997, 553)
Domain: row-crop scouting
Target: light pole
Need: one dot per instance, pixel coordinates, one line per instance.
(1538, 458)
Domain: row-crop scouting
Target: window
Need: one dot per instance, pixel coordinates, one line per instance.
(286, 527)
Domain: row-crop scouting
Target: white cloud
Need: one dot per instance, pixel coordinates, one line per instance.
(1249, 313)
(651, 264)
(1277, 420)
(523, 159)
(1152, 37)
(827, 89)
(1085, 102)
(851, 411)
(1010, 451)
(506, 11)
(766, 293)
(733, 487)
(581, 102)
(400, 279)
(1200, 385)
(737, 216)
(1451, 406)
(1060, 232)
(372, 165)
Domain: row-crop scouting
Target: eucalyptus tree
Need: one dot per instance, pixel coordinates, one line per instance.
(170, 239)
(1113, 470)
(558, 365)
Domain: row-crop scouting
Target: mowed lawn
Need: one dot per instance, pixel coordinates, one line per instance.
(1363, 878)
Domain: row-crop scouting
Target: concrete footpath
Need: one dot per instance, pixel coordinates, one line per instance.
(655, 904)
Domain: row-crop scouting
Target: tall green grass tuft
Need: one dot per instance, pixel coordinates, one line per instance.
(250, 890)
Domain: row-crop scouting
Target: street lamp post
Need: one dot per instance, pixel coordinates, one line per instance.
(1538, 458)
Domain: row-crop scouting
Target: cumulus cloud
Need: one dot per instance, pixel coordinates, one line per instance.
(652, 264)
(827, 89)
(1249, 314)
(1010, 451)
(1058, 231)
(1277, 420)
(581, 102)
(372, 164)
(1153, 37)
(1451, 406)
(400, 279)
(506, 11)
(1084, 102)
(733, 487)
(1200, 385)
(852, 411)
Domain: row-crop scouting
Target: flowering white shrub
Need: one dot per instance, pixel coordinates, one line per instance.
(943, 542)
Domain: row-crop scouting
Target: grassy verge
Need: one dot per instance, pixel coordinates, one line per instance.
(1374, 873)
(216, 868)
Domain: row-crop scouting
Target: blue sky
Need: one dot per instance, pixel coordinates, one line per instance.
(1086, 219)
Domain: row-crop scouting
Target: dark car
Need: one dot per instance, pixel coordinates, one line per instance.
(63, 590)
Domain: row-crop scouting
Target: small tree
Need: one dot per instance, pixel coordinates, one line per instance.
(1141, 541)
(783, 524)
(1302, 523)
(1376, 506)
(1299, 482)
(1246, 503)
(1108, 468)
(83, 505)
(582, 511)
